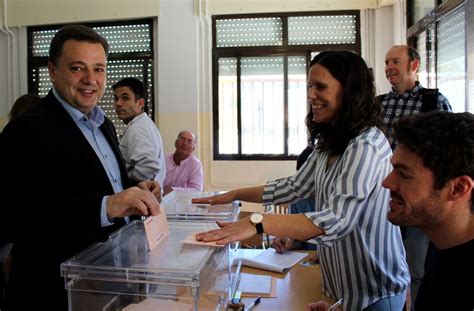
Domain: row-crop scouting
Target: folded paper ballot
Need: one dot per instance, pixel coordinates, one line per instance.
(156, 229)
(271, 260)
(191, 239)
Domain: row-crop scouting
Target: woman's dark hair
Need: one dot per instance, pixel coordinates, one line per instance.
(359, 109)
(304, 156)
(23, 103)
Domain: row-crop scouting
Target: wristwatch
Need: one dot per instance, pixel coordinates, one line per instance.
(256, 219)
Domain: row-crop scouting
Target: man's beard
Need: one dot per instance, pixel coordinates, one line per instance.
(425, 212)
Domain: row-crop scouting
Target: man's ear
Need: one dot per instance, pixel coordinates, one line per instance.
(141, 103)
(52, 71)
(460, 187)
(415, 64)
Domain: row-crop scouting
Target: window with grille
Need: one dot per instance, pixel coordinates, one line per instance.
(441, 37)
(130, 55)
(260, 65)
(451, 59)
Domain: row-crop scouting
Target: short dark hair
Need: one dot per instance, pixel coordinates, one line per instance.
(74, 32)
(412, 53)
(359, 109)
(136, 86)
(443, 140)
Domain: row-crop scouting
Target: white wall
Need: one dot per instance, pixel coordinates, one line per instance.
(382, 41)
(177, 70)
(183, 76)
(42, 12)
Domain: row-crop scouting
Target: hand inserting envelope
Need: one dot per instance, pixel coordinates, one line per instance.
(156, 229)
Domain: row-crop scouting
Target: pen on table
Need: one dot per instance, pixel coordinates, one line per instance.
(336, 304)
(253, 304)
(235, 281)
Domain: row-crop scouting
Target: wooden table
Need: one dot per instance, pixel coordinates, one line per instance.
(295, 288)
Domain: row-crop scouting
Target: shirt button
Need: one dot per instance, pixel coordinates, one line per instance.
(115, 181)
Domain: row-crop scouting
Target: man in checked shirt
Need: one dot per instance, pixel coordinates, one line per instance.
(408, 97)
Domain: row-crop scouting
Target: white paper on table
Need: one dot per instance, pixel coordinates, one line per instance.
(272, 261)
(248, 284)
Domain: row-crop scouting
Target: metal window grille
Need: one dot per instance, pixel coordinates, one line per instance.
(130, 55)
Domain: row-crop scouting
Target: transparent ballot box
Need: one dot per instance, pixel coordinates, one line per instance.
(178, 207)
(122, 274)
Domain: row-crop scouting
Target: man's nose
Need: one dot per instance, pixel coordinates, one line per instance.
(89, 76)
(387, 182)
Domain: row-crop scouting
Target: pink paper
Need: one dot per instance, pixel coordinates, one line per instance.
(191, 239)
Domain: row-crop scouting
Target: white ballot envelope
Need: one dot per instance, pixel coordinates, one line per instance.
(156, 229)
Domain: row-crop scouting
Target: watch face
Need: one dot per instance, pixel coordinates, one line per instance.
(256, 218)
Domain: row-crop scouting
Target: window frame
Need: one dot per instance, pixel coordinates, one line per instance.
(284, 50)
(430, 23)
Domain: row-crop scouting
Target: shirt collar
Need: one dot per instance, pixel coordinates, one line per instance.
(141, 115)
(97, 115)
(182, 161)
(413, 91)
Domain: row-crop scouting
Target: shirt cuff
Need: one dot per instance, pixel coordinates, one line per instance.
(104, 220)
(268, 192)
(327, 221)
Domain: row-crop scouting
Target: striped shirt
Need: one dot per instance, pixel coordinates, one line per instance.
(361, 253)
(396, 106)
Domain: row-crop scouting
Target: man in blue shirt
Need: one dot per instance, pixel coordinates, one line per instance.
(63, 183)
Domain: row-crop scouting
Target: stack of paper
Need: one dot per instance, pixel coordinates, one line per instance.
(255, 285)
(251, 285)
(272, 261)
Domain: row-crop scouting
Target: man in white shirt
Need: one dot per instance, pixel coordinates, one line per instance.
(140, 144)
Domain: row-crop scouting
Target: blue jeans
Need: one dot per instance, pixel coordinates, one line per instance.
(394, 303)
(300, 207)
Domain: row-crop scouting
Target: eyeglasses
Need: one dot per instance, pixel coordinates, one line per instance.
(186, 140)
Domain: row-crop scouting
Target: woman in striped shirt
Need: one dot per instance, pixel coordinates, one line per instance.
(361, 253)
